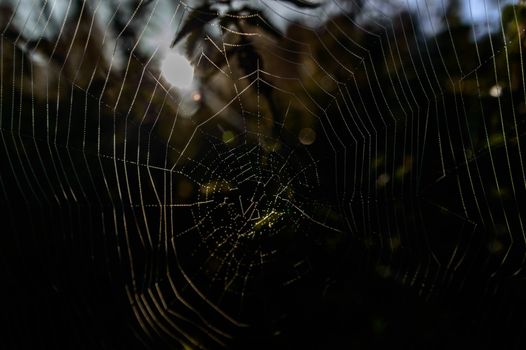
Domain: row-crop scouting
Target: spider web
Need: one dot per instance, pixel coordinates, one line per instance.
(205, 211)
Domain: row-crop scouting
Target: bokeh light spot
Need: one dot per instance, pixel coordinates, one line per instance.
(177, 70)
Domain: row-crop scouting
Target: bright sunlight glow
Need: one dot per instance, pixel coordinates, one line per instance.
(177, 70)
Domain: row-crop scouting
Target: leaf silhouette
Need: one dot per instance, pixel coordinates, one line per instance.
(196, 20)
(304, 3)
(256, 19)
